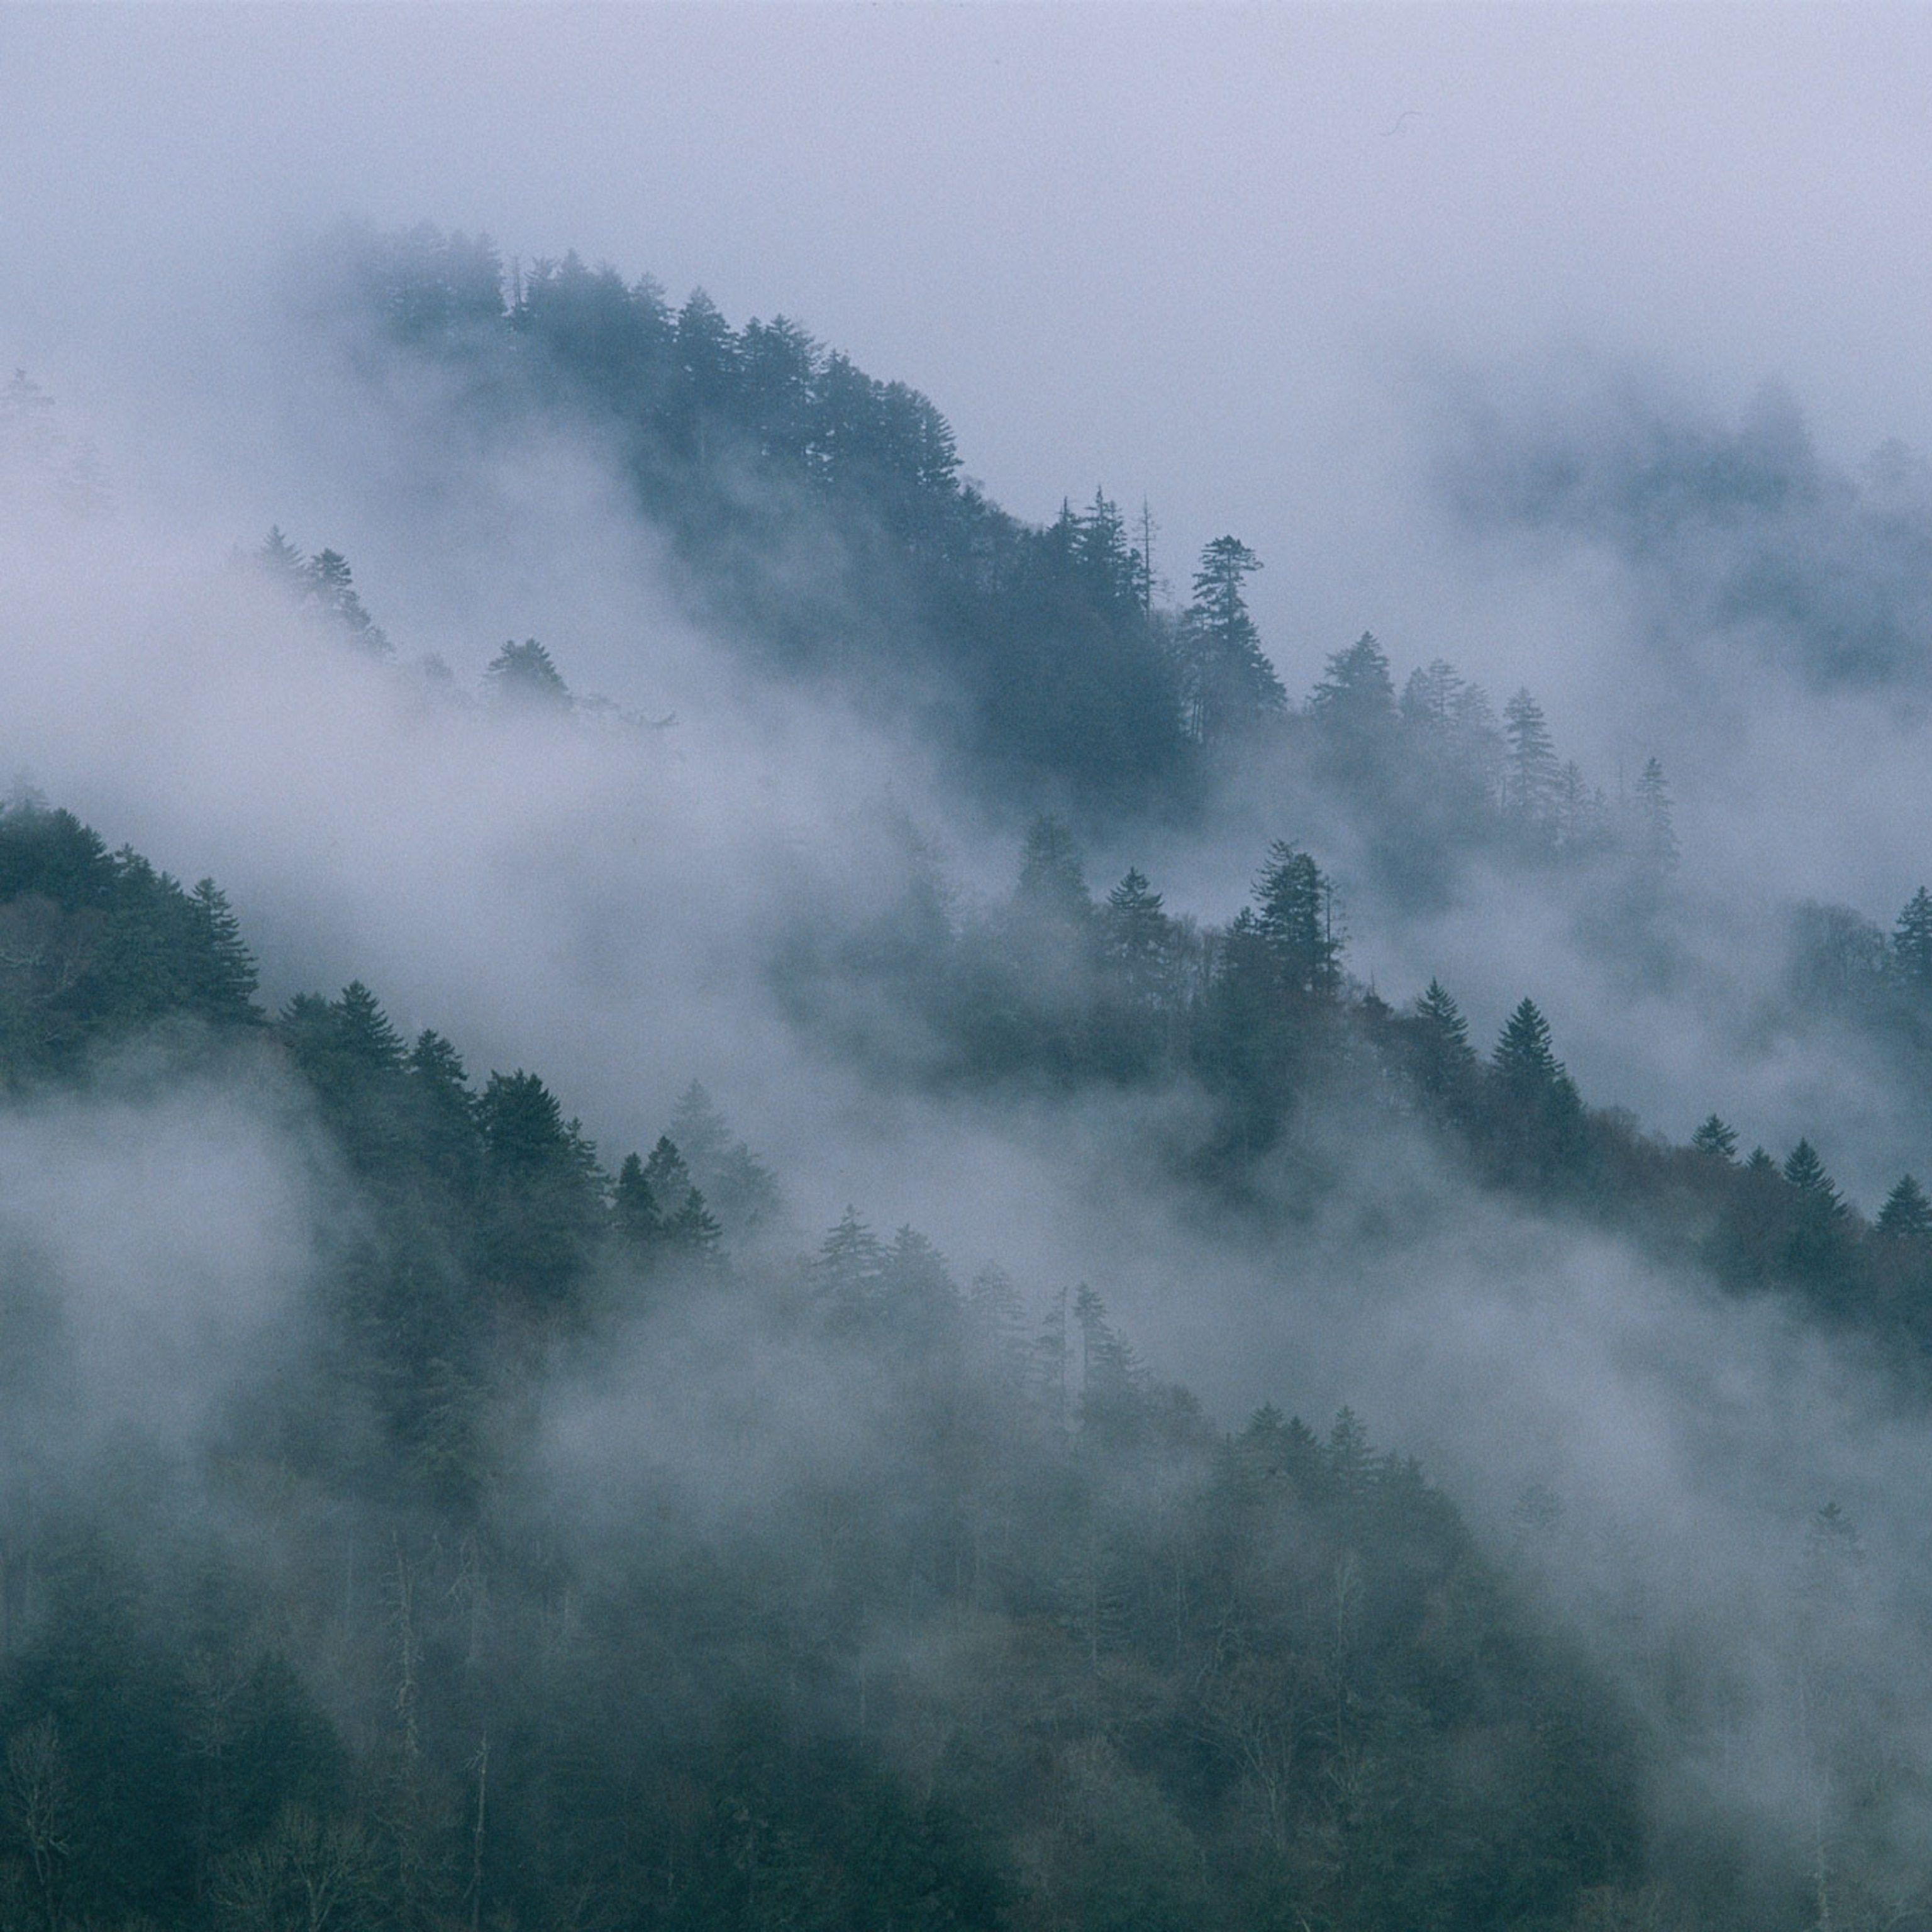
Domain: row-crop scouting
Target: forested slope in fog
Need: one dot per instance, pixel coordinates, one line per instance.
(452, 1474)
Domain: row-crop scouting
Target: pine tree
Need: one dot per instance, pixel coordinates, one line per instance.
(227, 984)
(523, 674)
(1907, 1215)
(1805, 1175)
(1355, 698)
(1137, 932)
(1716, 1136)
(1294, 916)
(1052, 879)
(1530, 794)
(1445, 1063)
(847, 1269)
(1912, 945)
(634, 1206)
(1227, 682)
(1523, 1059)
(1657, 834)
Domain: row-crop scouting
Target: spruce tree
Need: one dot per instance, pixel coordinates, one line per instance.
(1656, 832)
(1912, 945)
(1805, 1175)
(1716, 1136)
(1907, 1215)
(1294, 914)
(1533, 767)
(1355, 698)
(1227, 682)
(1445, 1062)
(1523, 1059)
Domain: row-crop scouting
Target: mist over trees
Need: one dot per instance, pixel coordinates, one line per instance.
(421, 1506)
(441, 1616)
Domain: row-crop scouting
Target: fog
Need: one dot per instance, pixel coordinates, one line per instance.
(1453, 315)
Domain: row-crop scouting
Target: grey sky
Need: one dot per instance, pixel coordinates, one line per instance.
(1177, 251)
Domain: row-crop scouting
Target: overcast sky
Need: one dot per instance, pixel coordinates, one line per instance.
(1189, 253)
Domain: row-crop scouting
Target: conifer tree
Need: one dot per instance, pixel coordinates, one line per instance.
(1907, 1215)
(846, 1268)
(1136, 934)
(1052, 879)
(1445, 1063)
(1716, 1136)
(1912, 945)
(1293, 915)
(1805, 1175)
(1227, 682)
(1533, 767)
(523, 674)
(1523, 1058)
(1657, 833)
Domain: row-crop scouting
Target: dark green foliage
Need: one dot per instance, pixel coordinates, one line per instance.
(1227, 685)
(1912, 945)
(543, 1210)
(1007, 1634)
(96, 948)
(1445, 1070)
(1907, 1215)
(523, 674)
(1716, 1136)
(1052, 882)
(324, 585)
(737, 1187)
(1534, 1116)
(1353, 707)
(1294, 915)
(755, 449)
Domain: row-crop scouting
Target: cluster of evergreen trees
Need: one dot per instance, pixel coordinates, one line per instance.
(1054, 990)
(1043, 1648)
(1036, 1645)
(823, 520)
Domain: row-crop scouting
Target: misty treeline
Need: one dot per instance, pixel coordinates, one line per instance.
(1053, 990)
(565, 1563)
(822, 520)
(586, 1550)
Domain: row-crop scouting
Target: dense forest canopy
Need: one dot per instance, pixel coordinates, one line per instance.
(423, 1506)
(1028, 1639)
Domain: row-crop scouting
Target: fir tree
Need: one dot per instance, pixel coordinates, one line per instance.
(1533, 767)
(1294, 916)
(1445, 1063)
(1912, 945)
(1355, 698)
(1523, 1058)
(1805, 1175)
(523, 674)
(1716, 1136)
(1052, 879)
(1227, 682)
(1907, 1215)
(1656, 831)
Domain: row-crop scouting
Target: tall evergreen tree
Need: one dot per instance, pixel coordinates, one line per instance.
(1294, 915)
(1445, 1063)
(1716, 1136)
(1354, 701)
(1656, 831)
(1053, 881)
(1912, 945)
(524, 674)
(1533, 770)
(1907, 1215)
(1227, 681)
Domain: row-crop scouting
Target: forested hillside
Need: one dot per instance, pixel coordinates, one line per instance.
(568, 1558)
(425, 1504)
